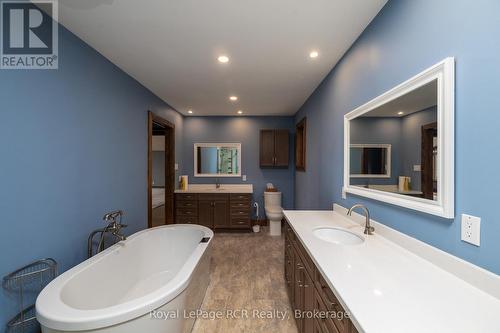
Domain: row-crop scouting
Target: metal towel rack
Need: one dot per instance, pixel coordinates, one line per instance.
(31, 278)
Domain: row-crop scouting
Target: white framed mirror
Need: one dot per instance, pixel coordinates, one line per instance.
(399, 147)
(217, 160)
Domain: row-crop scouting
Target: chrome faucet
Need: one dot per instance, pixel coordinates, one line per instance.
(114, 220)
(368, 228)
(114, 226)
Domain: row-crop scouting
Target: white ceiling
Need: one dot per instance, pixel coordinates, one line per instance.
(171, 47)
(417, 100)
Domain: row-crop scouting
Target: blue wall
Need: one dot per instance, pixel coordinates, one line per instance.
(73, 145)
(245, 130)
(394, 47)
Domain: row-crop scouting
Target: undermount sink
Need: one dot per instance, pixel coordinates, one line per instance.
(338, 236)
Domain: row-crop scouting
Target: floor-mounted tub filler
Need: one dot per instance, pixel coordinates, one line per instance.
(151, 282)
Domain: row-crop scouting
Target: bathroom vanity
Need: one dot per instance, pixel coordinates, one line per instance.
(226, 207)
(309, 292)
(386, 282)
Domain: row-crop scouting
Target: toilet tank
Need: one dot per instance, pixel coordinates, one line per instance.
(272, 199)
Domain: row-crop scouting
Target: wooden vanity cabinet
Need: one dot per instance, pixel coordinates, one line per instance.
(214, 210)
(240, 210)
(186, 208)
(309, 292)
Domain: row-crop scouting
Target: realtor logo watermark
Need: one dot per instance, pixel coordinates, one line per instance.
(29, 34)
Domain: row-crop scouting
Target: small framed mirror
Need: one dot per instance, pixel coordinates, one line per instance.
(370, 160)
(399, 147)
(217, 159)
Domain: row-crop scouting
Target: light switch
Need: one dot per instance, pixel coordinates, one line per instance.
(471, 229)
(417, 167)
(176, 167)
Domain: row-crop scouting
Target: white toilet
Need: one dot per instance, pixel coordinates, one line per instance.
(274, 212)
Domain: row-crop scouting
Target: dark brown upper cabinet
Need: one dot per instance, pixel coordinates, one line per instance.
(274, 148)
(300, 145)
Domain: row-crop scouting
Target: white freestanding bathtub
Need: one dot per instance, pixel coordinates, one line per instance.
(142, 284)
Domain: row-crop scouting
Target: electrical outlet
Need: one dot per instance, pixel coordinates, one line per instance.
(176, 166)
(471, 229)
(244, 178)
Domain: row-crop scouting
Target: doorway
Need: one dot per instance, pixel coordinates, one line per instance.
(429, 155)
(161, 171)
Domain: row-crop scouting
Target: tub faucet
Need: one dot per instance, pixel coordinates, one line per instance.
(114, 220)
(368, 228)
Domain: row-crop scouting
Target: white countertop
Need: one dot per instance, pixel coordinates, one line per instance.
(387, 288)
(224, 188)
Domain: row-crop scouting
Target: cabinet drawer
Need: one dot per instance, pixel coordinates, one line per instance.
(289, 234)
(240, 222)
(293, 239)
(186, 220)
(308, 263)
(288, 245)
(240, 212)
(186, 204)
(240, 204)
(186, 196)
(213, 196)
(241, 197)
(186, 212)
(325, 321)
(331, 303)
(318, 327)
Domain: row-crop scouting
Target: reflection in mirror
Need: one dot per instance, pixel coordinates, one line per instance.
(394, 146)
(370, 161)
(219, 160)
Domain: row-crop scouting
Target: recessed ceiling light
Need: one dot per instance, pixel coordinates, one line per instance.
(313, 54)
(190, 111)
(223, 59)
(233, 98)
(401, 113)
(240, 112)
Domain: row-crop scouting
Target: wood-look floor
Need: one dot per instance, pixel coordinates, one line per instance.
(246, 274)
